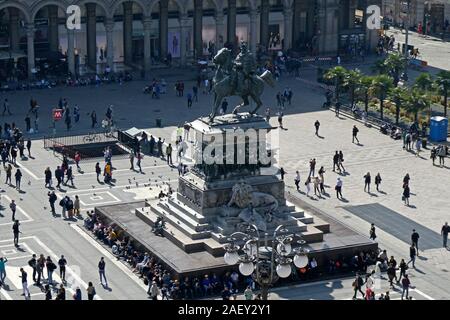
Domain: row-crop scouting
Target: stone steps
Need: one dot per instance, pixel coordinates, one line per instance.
(180, 239)
(171, 219)
(173, 201)
(183, 217)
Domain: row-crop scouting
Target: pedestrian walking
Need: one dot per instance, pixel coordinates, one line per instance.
(76, 206)
(316, 183)
(52, 199)
(412, 255)
(338, 188)
(153, 291)
(13, 207)
(367, 180)
(77, 295)
(418, 145)
(48, 178)
(50, 268)
(18, 176)
(308, 185)
(62, 262)
(33, 263)
(403, 266)
(322, 179)
(297, 180)
(189, 100)
(357, 285)
(317, 126)
(433, 154)
(378, 180)
(336, 162)
(101, 271)
(139, 161)
(442, 153)
(40, 265)
(8, 174)
(337, 108)
(26, 291)
(16, 232)
(98, 171)
(312, 167)
(282, 173)
(169, 154)
(69, 176)
(93, 119)
(372, 232)
(3, 261)
(90, 291)
(355, 134)
(406, 194)
(415, 240)
(77, 159)
(405, 286)
(280, 119)
(444, 232)
(341, 161)
(6, 107)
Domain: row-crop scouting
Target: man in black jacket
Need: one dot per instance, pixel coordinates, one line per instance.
(415, 240)
(52, 199)
(32, 264)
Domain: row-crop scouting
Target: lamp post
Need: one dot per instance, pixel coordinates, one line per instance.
(408, 5)
(265, 263)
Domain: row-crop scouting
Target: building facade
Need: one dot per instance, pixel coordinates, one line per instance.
(140, 32)
(435, 13)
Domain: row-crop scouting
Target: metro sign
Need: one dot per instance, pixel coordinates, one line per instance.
(57, 114)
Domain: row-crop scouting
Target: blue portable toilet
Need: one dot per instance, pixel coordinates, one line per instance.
(438, 129)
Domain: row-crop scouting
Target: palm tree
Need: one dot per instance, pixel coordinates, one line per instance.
(336, 74)
(379, 67)
(399, 95)
(395, 64)
(351, 81)
(417, 101)
(380, 86)
(424, 82)
(363, 90)
(442, 86)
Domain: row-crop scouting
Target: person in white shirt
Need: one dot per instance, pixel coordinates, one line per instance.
(338, 188)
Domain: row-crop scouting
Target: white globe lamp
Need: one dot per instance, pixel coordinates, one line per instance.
(246, 268)
(300, 260)
(231, 257)
(283, 270)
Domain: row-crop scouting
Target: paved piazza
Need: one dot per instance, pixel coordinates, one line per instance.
(52, 236)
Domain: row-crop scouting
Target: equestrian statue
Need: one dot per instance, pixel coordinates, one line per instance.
(238, 78)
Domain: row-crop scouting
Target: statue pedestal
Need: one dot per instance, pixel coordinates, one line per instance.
(200, 216)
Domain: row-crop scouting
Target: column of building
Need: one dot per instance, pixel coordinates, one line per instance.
(91, 35)
(14, 29)
(352, 4)
(71, 51)
(198, 27)
(299, 23)
(264, 23)
(288, 14)
(30, 48)
(53, 24)
(219, 17)
(329, 26)
(184, 30)
(109, 27)
(253, 29)
(128, 32)
(147, 22)
(231, 22)
(163, 27)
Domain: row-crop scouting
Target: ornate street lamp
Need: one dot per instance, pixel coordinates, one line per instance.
(265, 264)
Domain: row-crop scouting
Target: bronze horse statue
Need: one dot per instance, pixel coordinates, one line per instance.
(224, 83)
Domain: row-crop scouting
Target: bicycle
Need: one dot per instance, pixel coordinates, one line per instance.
(91, 137)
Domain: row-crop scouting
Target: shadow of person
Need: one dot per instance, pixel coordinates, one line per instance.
(343, 200)
(320, 137)
(382, 192)
(373, 194)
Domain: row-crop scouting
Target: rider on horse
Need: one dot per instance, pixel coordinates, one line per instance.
(245, 66)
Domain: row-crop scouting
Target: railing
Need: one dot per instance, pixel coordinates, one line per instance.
(69, 144)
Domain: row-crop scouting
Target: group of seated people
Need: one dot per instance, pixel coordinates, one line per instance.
(150, 270)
